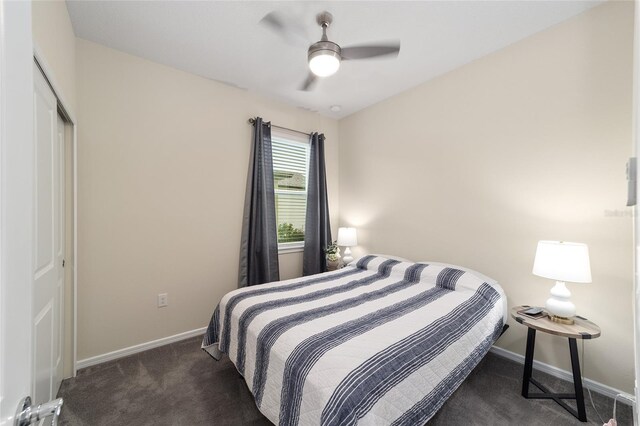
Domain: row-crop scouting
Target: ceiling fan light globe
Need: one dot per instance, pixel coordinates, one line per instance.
(324, 62)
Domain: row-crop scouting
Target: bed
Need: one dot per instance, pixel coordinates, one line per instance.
(380, 341)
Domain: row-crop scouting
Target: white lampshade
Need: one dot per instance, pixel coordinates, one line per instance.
(562, 261)
(324, 63)
(347, 237)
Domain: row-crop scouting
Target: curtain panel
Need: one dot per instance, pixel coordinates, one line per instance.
(259, 241)
(317, 234)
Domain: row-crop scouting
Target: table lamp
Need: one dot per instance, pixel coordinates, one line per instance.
(347, 238)
(562, 261)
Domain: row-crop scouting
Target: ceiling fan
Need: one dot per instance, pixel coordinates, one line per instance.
(325, 56)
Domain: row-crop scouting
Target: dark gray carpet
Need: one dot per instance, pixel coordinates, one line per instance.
(179, 384)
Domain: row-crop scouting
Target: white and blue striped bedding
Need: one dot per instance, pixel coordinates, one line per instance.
(377, 342)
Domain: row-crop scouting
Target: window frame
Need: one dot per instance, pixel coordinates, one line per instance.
(295, 138)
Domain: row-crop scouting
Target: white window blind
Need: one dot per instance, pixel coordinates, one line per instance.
(290, 173)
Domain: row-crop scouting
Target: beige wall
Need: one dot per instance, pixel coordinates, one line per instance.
(529, 143)
(54, 38)
(162, 165)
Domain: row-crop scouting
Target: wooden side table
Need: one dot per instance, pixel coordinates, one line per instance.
(582, 329)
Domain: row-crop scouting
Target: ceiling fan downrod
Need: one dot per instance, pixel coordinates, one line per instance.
(324, 19)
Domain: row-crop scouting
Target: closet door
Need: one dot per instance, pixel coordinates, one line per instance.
(48, 275)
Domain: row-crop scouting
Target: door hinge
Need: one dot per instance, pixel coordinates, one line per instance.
(63, 262)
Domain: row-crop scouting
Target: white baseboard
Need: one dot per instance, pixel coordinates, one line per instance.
(624, 397)
(109, 356)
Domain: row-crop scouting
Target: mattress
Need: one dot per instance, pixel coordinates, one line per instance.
(381, 341)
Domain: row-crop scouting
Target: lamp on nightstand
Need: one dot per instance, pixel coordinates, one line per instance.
(562, 261)
(347, 238)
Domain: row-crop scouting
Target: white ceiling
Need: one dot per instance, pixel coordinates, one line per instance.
(223, 41)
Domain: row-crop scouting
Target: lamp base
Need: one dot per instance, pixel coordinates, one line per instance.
(346, 256)
(559, 305)
(561, 320)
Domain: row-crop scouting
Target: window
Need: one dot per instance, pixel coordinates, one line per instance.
(290, 173)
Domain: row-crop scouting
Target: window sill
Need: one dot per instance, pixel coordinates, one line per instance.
(287, 250)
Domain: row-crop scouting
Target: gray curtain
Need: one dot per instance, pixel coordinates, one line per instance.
(259, 244)
(317, 234)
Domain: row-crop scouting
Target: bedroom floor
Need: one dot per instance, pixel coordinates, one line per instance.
(179, 384)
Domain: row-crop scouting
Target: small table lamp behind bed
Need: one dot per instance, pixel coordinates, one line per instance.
(347, 238)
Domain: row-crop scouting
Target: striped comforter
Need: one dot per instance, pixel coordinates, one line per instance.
(377, 342)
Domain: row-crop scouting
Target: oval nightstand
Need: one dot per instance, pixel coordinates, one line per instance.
(581, 329)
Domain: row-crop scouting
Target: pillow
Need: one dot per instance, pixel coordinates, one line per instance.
(374, 261)
(483, 277)
(493, 283)
(401, 259)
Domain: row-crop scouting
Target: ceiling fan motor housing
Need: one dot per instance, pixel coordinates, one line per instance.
(324, 48)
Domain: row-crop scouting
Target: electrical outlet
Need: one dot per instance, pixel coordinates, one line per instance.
(163, 300)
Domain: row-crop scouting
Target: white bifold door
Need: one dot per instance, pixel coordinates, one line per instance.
(48, 273)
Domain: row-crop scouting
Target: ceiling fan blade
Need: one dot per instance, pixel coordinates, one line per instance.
(309, 82)
(370, 51)
(292, 32)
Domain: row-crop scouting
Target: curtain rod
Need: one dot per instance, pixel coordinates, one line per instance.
(253, 120)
